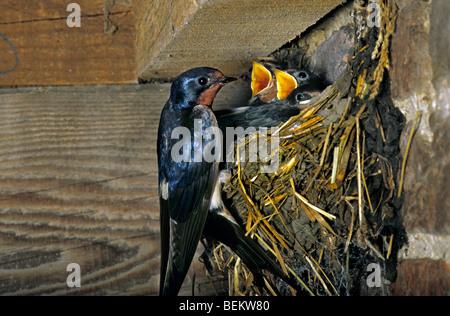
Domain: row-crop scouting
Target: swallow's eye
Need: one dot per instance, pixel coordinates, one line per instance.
(300, 97)
(303, 75)
(202, 81)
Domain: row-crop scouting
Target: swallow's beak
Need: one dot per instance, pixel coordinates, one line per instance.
(227, 80)
(261, 78)
(286, 83)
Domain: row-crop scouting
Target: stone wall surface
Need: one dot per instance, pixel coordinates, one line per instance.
(420, 82)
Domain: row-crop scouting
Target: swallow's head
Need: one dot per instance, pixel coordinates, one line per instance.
(305, 77)
(197, 86)
(303, 94)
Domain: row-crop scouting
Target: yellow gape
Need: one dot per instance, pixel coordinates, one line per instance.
(261, 78)
(285, 84)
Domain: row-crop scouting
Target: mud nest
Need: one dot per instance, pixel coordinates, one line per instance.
(331, 208)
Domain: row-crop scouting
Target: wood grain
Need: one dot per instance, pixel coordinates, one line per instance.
(51, 53)
(78, 184)
(226, 34)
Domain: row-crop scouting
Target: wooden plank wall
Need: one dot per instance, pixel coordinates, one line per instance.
(51, 53)
(78, 184)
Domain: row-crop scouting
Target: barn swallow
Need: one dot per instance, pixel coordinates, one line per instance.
(191, 204)
(268, 114)
(271, 84)
(185, 187)
(302, 95)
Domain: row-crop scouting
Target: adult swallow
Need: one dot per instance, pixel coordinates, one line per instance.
(190, 191)
(185, 187)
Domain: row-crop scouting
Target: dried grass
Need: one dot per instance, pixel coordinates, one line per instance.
(319, 160)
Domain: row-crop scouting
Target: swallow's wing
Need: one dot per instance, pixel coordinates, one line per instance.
(181, 238)
(185, 195)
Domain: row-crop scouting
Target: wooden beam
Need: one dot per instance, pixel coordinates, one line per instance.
(78, 184)
(172, 36)
(38, 48)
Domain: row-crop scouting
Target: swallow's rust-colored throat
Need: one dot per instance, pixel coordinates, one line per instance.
(207, 97)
